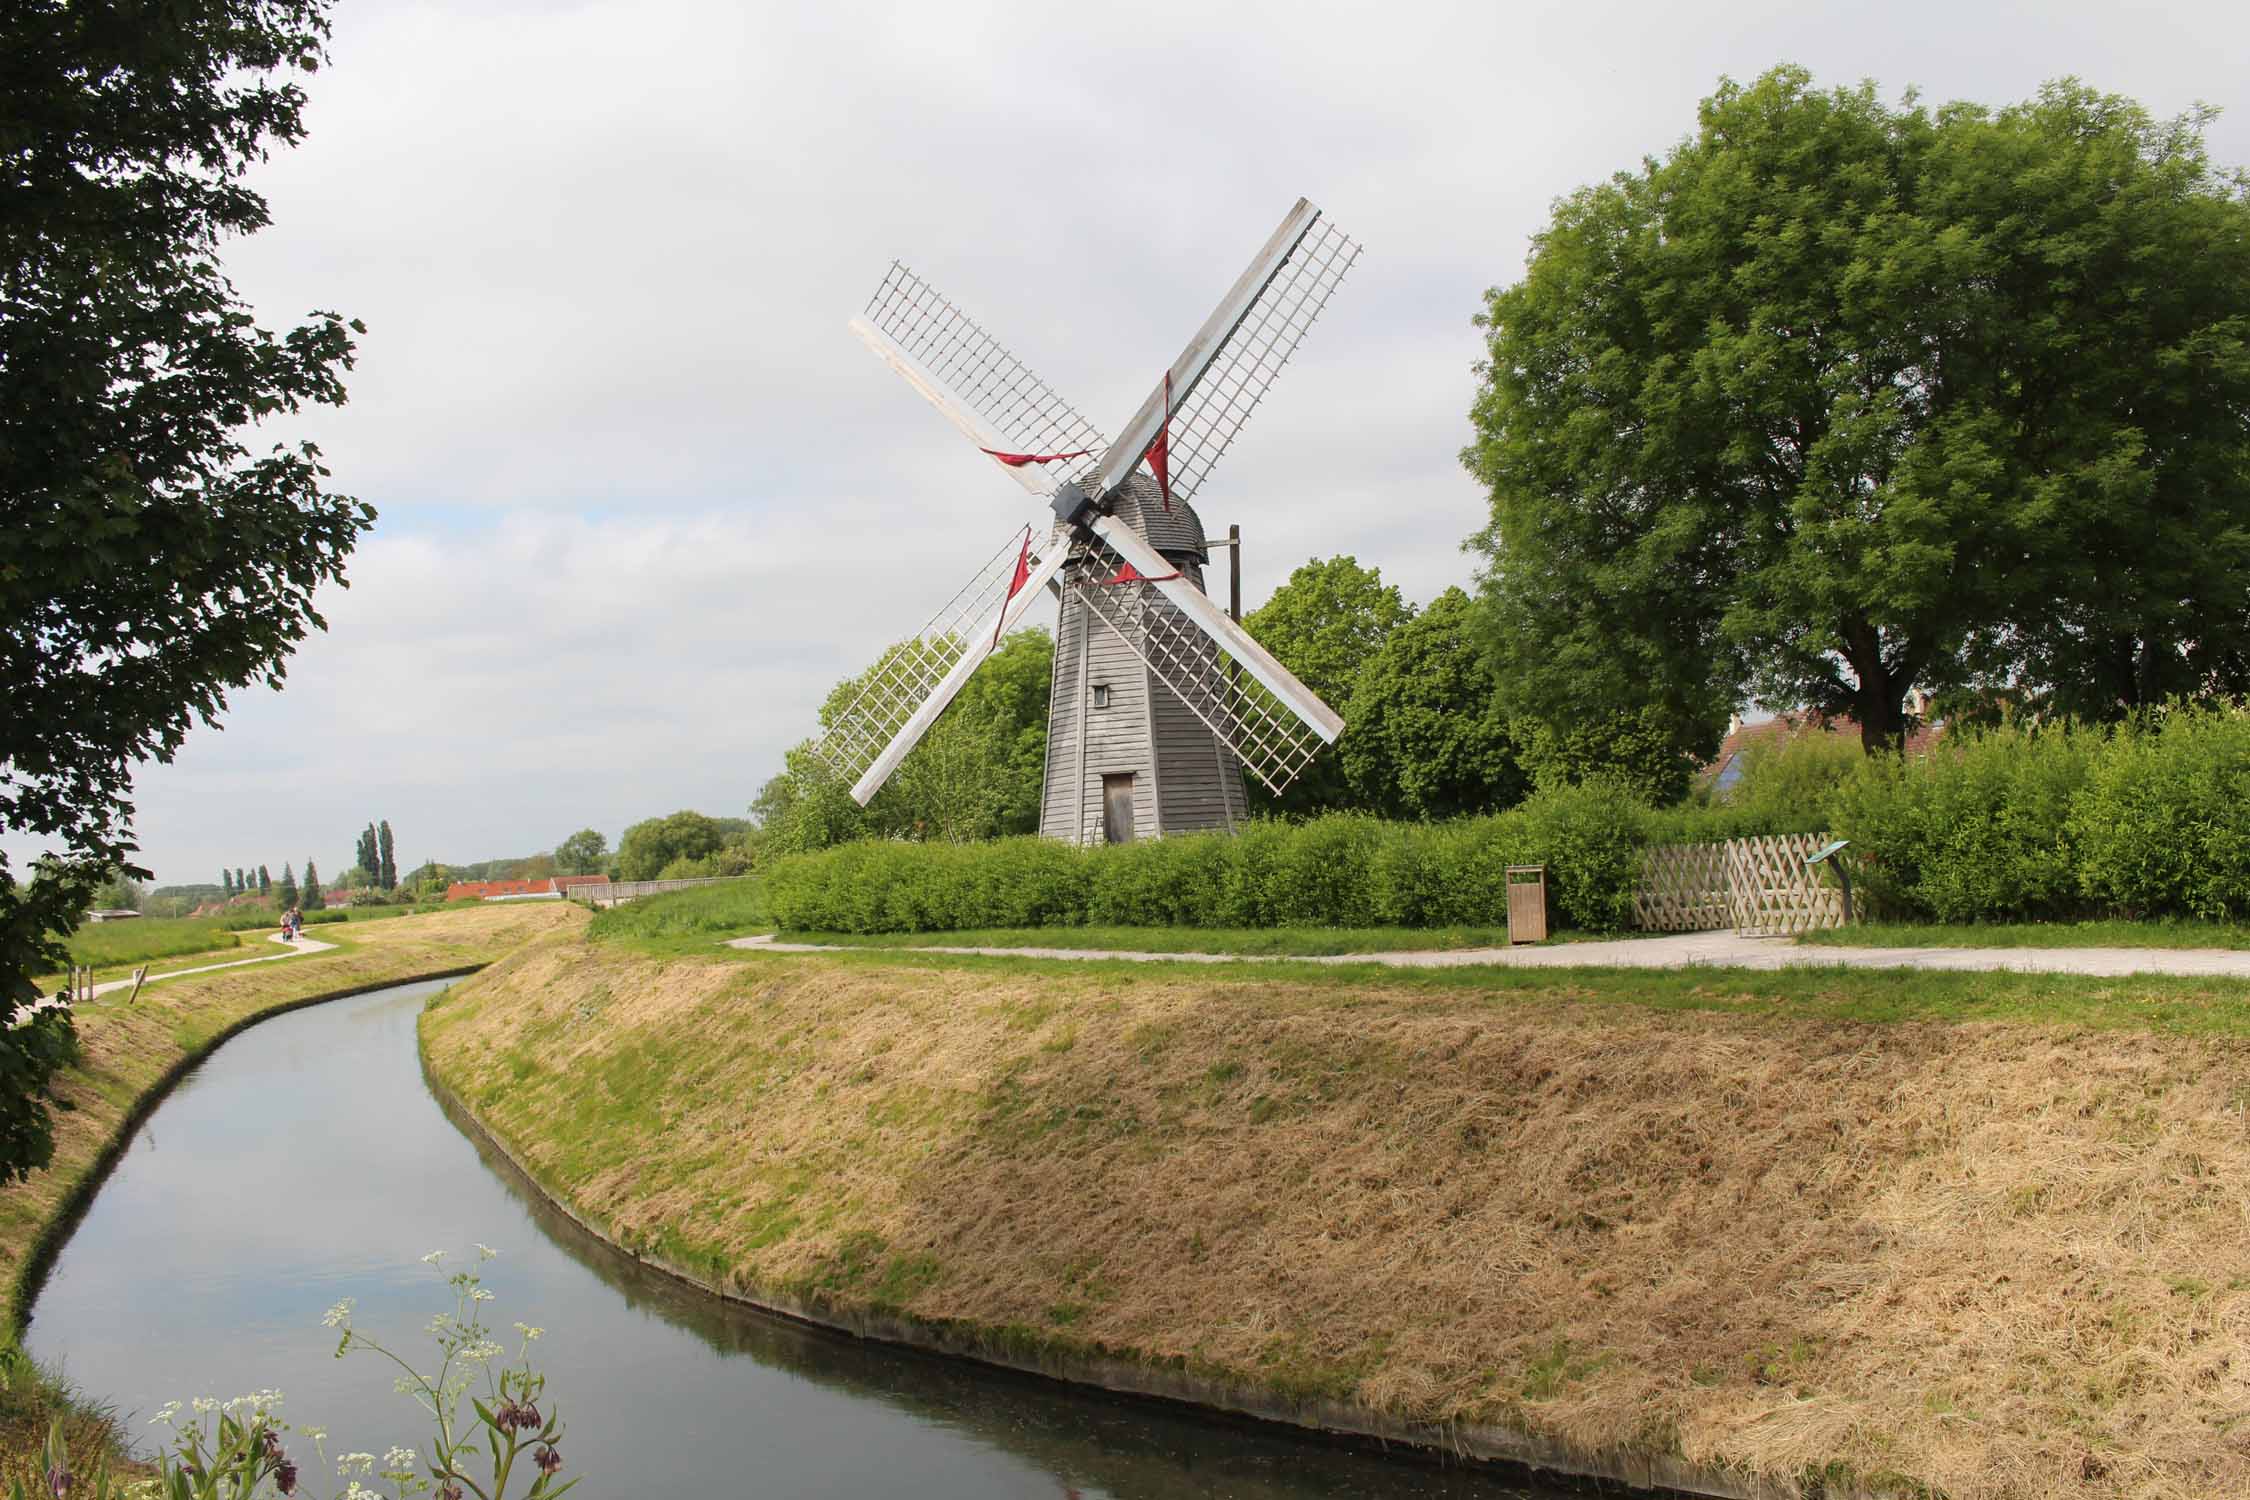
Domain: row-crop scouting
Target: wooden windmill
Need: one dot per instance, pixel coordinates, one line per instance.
(1160, 702)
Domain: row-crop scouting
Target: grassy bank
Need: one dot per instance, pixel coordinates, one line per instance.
(2181, 934)
(129, 1055)
(1977, 1234)
(1294, 942)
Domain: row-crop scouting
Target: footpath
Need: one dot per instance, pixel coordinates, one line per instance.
(1717, 950)
(303, 945)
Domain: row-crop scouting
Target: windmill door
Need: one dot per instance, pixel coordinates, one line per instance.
(1117, 809)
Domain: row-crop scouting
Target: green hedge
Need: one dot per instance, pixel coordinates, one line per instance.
(2011, 825)
(1343, 870)
(2057, 823)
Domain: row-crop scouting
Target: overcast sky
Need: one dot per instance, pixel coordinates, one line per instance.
(643, 498)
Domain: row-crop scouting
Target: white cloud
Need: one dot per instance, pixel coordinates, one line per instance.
(643, 497)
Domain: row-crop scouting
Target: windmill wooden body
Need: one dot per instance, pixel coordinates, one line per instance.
(1160, 703)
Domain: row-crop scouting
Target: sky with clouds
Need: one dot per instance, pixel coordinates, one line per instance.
(643, 498)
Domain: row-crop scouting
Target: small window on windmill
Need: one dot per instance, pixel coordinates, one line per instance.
(1101, 695)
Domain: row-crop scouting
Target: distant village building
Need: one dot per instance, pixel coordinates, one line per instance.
(502, 890)
(111, 914)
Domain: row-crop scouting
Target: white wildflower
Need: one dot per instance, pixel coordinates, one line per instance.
(482, 1350)
(481, 1294)
(346, 1462)
(171, 1409)
(486, 1252)
(435, 1257)
(528, 1331)
(314, 1434)
(399, 1458)
(205, 1405)
(439, 1324)
(339, 1316)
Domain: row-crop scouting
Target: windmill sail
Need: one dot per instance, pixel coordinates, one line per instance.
(1002, 391)
(1226, 369)
(1273, 723)
(870, 728)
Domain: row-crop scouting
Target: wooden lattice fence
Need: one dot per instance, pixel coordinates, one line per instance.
(1761, 887)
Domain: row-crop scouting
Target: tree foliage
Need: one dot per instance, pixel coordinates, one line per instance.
(977, 774)
(386, 856)
(1324, 624)
(1426, 737)
(312, 898)
(582, 853)
(648, 846)
(1840, 398)
(150, 563)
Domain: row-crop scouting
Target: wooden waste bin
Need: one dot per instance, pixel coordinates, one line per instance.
(1527, 903)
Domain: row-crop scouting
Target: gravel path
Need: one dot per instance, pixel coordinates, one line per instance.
(1684, 950)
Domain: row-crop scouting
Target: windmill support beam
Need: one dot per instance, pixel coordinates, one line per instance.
(1213, 622)
(978, 431)
(1187, 371)
(949, 687)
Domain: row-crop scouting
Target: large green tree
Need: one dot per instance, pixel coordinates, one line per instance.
(1426, 736)
(150, 562)
(1841, 398)
(648, 846)
(582, 853)
(386, 852)
(1325, 623)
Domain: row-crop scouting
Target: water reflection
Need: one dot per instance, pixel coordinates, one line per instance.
(307, 1161)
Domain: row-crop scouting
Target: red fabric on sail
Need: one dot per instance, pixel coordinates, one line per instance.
(1018, 460)
(1127, 573)
(1160, 451)
(1015, 584)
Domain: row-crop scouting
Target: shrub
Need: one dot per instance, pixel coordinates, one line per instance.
(1977, 830)
(1340, 870)
(2163, 824)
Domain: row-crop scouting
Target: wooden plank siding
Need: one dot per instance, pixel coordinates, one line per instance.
(1184, 779)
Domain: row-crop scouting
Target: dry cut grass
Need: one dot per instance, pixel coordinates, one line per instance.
(1992, 1260)
(128, 1051)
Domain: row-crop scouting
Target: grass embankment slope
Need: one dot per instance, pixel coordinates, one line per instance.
(129, 1054)
(1979, 1235)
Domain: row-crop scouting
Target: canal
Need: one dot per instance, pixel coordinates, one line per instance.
(307, 1161)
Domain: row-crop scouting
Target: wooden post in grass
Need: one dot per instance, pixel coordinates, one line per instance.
(140, 977)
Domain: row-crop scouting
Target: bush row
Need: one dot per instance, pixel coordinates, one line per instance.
(2058, 823)
(1342, 870)
(2014, 824)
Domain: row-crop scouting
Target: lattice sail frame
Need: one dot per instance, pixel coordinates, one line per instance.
(859, 729)
(1266, 736)
(1206, 420)
(979, 369)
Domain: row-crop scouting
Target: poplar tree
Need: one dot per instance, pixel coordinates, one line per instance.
(286, 893)
(386, 874)
(226, 882)
(313, 899)
(265, 881)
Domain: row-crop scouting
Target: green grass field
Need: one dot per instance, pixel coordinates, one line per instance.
(686, 920)
(108, 944)
(1287, 942)
(2033, 935)
(2169, 1004)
